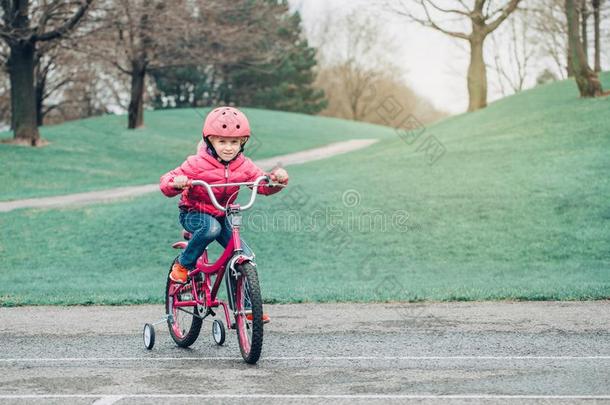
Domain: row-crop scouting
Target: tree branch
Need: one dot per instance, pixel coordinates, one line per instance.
(67, 26)
(509, 8)
(4, 34)
(56, 87)
(464, 5)
(427, 22)
(121, 68)
(448, 10)
(430, 23)
(52, 107)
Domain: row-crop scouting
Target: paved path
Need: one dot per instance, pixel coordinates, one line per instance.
(122, 192)
(461, 353)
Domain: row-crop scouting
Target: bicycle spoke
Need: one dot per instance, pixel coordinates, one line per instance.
(247, 300)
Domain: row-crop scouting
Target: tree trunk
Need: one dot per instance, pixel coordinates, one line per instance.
(39, 104)
(13, 98)
(136, 104)
(587, 81)
(477, 75)
(23, 100)
(598, 65)
(39, 92)
(569, 70)
(583, 26)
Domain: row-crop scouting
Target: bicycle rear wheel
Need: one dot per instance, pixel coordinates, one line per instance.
(248, 301)
(186, 323)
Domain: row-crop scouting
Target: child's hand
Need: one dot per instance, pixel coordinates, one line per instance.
(280, 175)
(180, 182)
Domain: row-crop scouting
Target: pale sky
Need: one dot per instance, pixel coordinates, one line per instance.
(433, 64)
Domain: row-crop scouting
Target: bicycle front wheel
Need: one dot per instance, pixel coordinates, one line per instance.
(249, 313)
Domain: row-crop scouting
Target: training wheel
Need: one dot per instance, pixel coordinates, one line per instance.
(149, 336)
(218, 332)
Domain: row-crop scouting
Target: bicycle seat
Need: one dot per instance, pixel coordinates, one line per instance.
(187, 235)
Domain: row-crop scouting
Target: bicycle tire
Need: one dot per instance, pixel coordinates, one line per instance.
(248, 293)
(185, 328)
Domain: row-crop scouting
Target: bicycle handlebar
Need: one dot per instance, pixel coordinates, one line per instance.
(255, 185)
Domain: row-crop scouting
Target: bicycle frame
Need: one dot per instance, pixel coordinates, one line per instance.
(203, 292)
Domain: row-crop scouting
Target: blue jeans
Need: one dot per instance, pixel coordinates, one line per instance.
(205, 229)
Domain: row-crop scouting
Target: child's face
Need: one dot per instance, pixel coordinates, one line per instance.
(226, 147)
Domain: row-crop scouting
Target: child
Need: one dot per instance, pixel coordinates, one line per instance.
(219, 160)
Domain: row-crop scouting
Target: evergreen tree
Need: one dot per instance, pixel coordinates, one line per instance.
(276, 73)
(286, 82)
(185, 86)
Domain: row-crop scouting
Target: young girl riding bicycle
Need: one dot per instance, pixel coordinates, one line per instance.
(220, 160)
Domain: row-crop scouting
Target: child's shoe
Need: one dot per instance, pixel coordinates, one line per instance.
(266, 318)
(179, 273)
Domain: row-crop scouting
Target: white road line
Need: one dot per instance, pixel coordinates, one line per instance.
(308, 396)
(108, 400)
(305, 358)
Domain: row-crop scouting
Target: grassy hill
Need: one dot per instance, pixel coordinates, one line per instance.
(515, 208)
(100, 152)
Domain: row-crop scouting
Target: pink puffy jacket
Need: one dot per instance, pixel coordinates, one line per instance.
(204, 166)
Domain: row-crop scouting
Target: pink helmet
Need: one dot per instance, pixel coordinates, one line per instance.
(226, 121)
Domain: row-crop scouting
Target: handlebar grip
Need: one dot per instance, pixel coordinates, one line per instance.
(188, 184)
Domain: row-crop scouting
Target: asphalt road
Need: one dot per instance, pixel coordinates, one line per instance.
(462, 353)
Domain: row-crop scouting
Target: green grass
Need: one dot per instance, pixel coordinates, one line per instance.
(516, 208)
(99, 152)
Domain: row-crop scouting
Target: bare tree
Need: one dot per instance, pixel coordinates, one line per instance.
(132, 36)
(349, 89)
(139, 33)
(60, 69)
(22, 27)
(83, 96)
(358, 74)
(386, 100)
(518, 46)
(587, 80)
(549, 21)
(351, 61)
(483, 20)
(48, 79)
(144, 35)
(68, 83)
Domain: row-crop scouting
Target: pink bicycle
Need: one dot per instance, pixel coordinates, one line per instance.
(187, 305)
